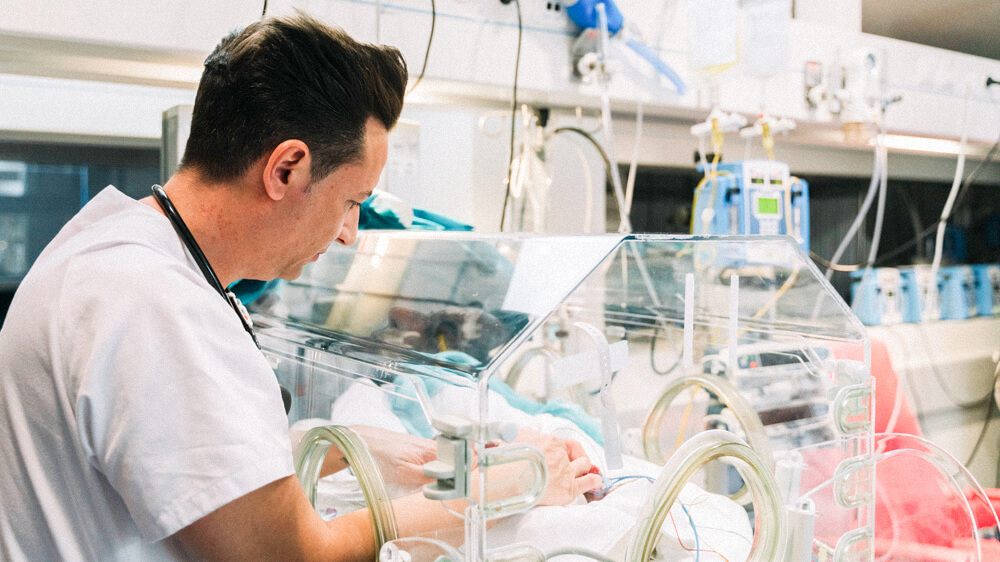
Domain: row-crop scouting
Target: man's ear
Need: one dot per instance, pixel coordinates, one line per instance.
(287, 169)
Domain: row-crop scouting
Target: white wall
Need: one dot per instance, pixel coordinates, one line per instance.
(177, 25)
(469, 74)
(74, 107)
(475, 41)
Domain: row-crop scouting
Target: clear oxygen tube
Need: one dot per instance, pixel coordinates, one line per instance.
(770, 531)
(727, 394)
(309, 457)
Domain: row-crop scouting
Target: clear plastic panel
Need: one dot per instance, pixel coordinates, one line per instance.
(927, 507)
(585, 338)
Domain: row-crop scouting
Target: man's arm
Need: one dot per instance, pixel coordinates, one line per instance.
(276, 521)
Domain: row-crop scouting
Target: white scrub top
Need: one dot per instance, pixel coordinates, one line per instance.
(132, 401)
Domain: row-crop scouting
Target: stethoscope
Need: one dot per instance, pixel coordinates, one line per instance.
(206, 269)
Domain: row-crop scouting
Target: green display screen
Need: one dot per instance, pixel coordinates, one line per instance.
(767, 206)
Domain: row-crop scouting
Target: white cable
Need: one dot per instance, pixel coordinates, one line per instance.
(873, 188)
(880, 208)
(630, 182)
(625, 225)
(955, 184)
(883, 157)
(869, 198)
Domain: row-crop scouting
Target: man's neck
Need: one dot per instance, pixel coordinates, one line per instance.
(219, 217)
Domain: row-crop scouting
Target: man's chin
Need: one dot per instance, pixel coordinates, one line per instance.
(292, 273)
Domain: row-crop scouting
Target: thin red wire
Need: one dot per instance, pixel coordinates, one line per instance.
(677, 533)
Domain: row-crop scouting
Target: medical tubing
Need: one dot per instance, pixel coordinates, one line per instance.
(879, 217)
(697, 543)
(727, 394)
(425, 549)
(652, 354)
(865, 206)
(651, 57)
(880, 208)
(309, 457)
(427, 53)
(955, 184)
(513, 112)
(633, 166)
(594, 142)
(577, 551)
(625, 225)
(609, 173)
(770, 534)
(963, 191)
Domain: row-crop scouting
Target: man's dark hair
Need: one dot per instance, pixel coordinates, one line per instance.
(290, 78)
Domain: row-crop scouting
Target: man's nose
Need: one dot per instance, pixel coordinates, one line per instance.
(349, 232)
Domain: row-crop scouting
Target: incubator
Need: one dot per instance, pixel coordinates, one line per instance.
(728, 421)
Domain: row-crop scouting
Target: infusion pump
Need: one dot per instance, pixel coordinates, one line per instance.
(752, 197)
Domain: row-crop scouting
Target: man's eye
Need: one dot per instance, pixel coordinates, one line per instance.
(353, 204)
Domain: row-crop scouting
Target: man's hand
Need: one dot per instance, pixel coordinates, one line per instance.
(570, 471)
(399, 456)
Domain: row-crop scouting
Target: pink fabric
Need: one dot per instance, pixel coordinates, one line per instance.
(886, 386)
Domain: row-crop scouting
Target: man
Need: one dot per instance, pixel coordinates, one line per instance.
(137, 419)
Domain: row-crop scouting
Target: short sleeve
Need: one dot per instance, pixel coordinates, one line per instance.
(175, 405)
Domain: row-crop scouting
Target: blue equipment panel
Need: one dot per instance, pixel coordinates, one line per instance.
(987, 289)
(752, 197)
(878, 299)
(958, 293)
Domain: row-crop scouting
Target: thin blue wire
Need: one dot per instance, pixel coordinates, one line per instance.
(632, 477)
(697, 544)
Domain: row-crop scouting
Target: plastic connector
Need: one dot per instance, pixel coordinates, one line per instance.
(990, 81)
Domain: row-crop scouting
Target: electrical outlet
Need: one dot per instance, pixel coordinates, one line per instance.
(554, 11)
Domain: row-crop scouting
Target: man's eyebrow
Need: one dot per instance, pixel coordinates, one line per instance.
(367, 195)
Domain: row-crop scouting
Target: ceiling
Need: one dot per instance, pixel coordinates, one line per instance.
(967, 26)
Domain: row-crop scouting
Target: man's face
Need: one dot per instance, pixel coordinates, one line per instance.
(328, 209)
